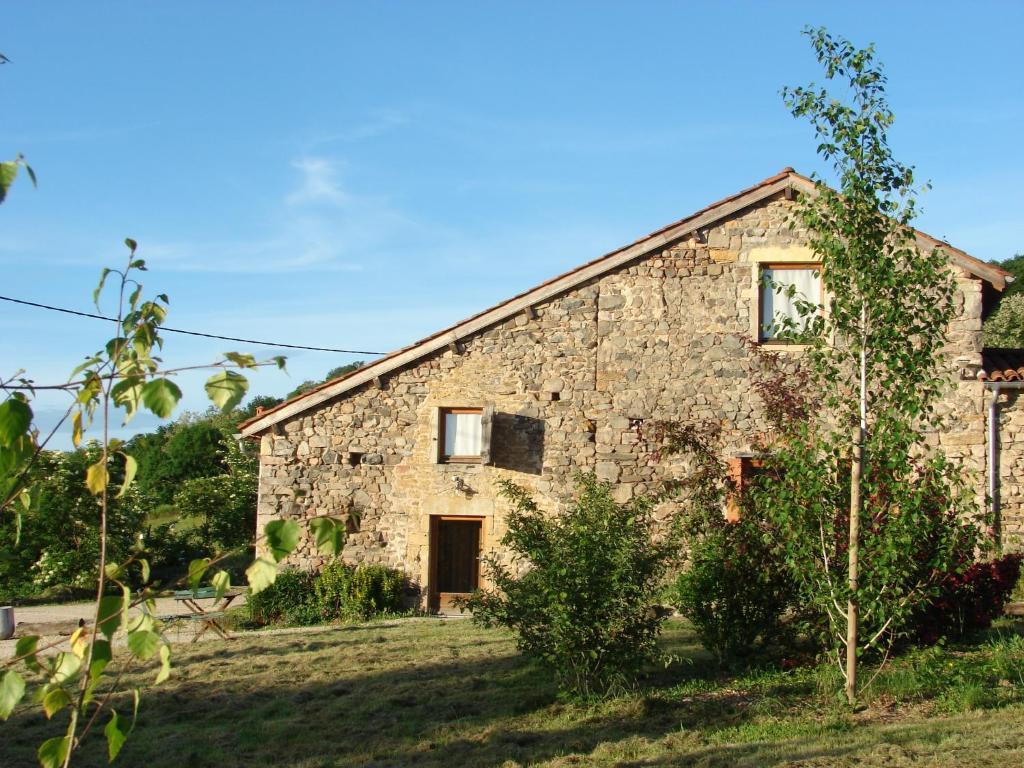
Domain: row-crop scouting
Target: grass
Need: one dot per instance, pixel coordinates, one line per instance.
(426, 692)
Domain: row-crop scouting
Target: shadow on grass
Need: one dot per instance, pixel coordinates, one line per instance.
(437, 696)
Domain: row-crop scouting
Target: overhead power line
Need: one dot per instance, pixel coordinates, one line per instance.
(191, 333)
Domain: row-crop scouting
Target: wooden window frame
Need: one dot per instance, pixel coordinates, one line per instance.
(442, 420)
(782, 265)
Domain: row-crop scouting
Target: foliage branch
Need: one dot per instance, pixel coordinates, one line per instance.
(126, 375)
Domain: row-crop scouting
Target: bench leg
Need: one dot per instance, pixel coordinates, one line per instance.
(208, 625)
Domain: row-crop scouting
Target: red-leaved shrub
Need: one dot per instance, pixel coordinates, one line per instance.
(969, 600)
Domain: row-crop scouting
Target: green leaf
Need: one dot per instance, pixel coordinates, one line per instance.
(143, 643)
(53, 752)
(241, 359)
(99, 286)
(282, 538)
(221, 581)
(116, 735)
(114, 571)
(54, 701)
(144, 570)
(96, 477)
(64, 667)
(196, 571)
(165, 664)
(76, 428)
(130, 468)
(15, 419)
(26, 648)
(160, 396)
(140, 621)
(116, 731)
(127, 394)
(8, 172)
(111, 615)
(260, 574)
(101, 656)
(226, 389)
(132, 245)
(12, 688)
(329, 534)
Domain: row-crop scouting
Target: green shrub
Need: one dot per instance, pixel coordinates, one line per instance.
(344, 592)
(735, 591)
(586, 605)
(337, 592)
(374, 589)
(330, 592)
(289, 600)
(734, 588)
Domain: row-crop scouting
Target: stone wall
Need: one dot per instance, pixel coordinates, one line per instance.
(1011, 469)
(572, 384)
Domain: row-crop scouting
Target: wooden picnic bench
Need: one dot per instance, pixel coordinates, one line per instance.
(209, 614)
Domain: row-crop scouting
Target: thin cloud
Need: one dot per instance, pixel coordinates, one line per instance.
(319, 184)
(318, 225)
(381, 122)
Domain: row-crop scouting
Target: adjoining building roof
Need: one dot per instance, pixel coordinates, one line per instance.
(708, 216)
(1002, 364)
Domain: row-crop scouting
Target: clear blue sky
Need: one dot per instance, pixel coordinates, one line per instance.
(358, 175)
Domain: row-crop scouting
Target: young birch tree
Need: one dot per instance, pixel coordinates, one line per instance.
(868, 516)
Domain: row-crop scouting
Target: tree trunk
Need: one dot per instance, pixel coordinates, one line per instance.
(853, 554)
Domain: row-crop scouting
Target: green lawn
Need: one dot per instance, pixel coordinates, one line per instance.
(426, 692)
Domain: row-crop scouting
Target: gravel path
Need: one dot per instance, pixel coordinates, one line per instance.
(60, 620)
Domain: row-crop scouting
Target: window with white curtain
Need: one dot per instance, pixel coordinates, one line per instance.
(783, 287)
(462, 434)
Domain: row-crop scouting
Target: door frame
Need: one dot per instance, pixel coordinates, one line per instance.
(433, 593)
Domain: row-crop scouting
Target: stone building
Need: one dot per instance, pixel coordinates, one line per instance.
(562, 377)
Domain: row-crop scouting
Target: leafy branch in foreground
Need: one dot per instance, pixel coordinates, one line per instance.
(126, 376)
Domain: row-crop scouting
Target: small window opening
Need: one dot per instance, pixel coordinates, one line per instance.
(786, 294)
(354, 458)
(461, 437)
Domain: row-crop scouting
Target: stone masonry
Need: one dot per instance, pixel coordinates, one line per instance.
(572, 383)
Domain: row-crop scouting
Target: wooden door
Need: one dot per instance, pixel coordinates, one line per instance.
(455, 547)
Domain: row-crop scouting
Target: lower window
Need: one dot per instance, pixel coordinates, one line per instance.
(461, 435)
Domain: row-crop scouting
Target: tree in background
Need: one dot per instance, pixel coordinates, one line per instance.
(869, 516)
(190, 448)
(334, 373)
(59, 543)
(1005, 326)
(248, 410)
(225, 502)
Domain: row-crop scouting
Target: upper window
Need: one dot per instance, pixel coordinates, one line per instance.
(785, 290)
(461, 435)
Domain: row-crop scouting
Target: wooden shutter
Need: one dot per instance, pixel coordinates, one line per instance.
(486, 427)
(435, 435)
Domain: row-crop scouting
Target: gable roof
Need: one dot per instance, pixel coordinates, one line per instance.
(708, 216)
